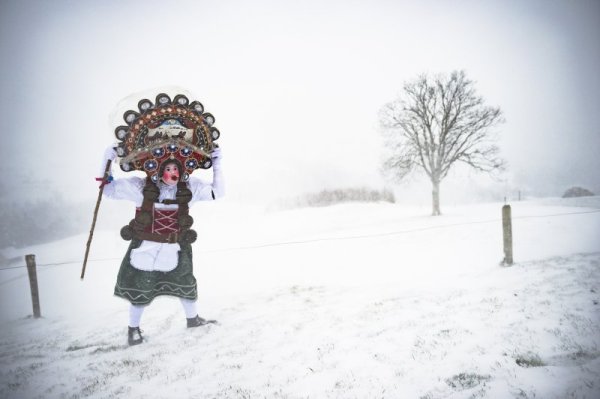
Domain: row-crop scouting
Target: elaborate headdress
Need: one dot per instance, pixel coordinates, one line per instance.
(166, 130)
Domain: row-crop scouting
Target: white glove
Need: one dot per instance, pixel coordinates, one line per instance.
(218, 184)
(216, 156)
(109, 155)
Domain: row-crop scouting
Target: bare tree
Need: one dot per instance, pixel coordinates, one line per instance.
(435, 123)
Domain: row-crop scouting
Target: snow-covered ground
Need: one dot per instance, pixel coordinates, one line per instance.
(348, 301)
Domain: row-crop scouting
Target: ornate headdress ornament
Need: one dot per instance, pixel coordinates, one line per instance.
(166, 130)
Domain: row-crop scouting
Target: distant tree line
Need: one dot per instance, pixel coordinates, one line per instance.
(338, 196)
(27, 223)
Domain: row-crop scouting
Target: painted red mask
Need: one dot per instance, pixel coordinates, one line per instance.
(171, 174)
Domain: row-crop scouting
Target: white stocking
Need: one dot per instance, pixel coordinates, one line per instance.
(189, 307)
(135, 314)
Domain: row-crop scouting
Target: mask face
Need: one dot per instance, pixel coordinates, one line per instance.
(171, 174)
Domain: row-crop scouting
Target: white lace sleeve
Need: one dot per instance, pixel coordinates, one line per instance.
(126, 189)
(201, 191)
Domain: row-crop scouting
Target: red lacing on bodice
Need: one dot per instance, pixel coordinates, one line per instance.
(165, 221)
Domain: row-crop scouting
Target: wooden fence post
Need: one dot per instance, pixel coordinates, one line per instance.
(507, 233)
(35, 296)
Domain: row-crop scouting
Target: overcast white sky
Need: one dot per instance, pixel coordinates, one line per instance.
(296, 86)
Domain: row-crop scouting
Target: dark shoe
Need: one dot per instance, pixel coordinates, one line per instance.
(198, 321)
(134, 336)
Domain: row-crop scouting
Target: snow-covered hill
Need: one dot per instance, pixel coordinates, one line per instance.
(348, 301)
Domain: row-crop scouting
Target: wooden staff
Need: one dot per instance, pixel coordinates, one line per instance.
(101, 190)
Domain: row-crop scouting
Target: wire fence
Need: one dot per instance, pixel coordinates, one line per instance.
(325, 239)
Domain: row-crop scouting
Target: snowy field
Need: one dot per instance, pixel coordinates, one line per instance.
(348, 301)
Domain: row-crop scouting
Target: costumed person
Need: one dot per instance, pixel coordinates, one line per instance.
(167, 140)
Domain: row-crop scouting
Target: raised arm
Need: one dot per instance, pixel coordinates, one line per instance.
(121, 189)
(202, 191)
(218, 184)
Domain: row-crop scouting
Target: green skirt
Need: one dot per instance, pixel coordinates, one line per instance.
(141, 287)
